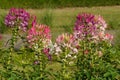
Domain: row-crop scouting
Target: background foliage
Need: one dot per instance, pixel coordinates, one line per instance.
(56, 3)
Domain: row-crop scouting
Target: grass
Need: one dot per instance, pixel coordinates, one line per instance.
(47, 18)
(67, 16)
(62, 20)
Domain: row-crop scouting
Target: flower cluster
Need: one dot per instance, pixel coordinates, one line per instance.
(105, 37)
(17, 17)
(66, 45)
(89, 26)
(90, 29)
(39, 33)
(39, 37)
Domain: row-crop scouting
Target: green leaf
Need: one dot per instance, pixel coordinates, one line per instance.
(107, 74)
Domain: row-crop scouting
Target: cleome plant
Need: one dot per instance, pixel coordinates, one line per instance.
(85, 54)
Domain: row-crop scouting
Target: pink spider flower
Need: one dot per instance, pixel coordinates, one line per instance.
(39, 32)
(108, 37)
(66, 42)
(65, 38)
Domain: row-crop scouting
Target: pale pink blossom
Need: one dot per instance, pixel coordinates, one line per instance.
(39, 33)
(86, 51)
(108, 37)
(66, 43)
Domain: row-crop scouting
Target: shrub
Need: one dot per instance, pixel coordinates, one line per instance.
(85, 54)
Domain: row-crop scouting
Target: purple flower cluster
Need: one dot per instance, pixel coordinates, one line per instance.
(88, 26)
(17, 17)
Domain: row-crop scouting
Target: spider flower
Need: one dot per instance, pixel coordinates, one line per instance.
(65, 38)
(39, 33)
(17, 17)
(89, 26)
(108, 37)
(66, 42)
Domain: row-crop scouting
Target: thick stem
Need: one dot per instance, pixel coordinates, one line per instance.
(64, 65)
(39, 56)
(41, 66)
(13, 40)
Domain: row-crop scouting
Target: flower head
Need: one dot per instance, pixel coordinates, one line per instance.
(108, 37)
(39, 33)
(65, 38)
(66, 43)
(17, 17)
(89, 26)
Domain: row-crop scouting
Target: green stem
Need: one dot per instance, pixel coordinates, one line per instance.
(39, 56)
(41, 66)
(13, 40)
(64, 65)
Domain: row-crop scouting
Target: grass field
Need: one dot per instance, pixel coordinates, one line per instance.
(62, 20)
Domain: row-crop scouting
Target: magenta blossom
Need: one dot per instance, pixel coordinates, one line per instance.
(46, 51)
(17, 17)
(34, 21)
(89, 26)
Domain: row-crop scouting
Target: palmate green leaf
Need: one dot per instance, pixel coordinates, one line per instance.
(24, 58)
(50, 73)
(57, 74)
(15, 76)
(107, 74)
(114, 74)
(5, 73)
(111, 72)
(27, 68)
(88, 75)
